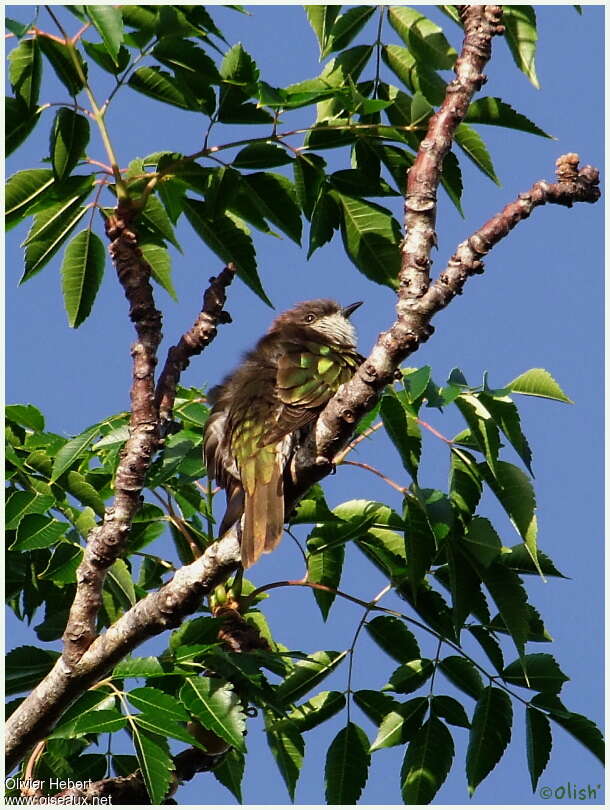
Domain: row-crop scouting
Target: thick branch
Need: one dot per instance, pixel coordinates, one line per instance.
(195, 340)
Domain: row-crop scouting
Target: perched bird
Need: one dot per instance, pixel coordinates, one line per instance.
(258, 410)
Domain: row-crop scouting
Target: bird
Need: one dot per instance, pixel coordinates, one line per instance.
(260, 409)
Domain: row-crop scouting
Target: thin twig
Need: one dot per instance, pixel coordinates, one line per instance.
(377, 472)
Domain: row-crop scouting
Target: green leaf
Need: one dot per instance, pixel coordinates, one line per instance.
(543, 673)
(347, 765)
(138, 668)
(410, 676)
(19, 122)
(345, 28)
(81, 274)
(539, 741)
(26, 415)
(518, 558)
(505, 414)
(510, 597)
(275, 197)
(63, 564)
(450, 709)
(494, 111)
(392, 635)
(228, 241)
(401, 724)
(489, 644)
(119, 578)
(324, 568)
(21, 503)
(451, 180)
(404, 432)
(25, 72)
(160, 85)
(230, 772)
(23, 190)
(159, 259)
(109, 24)
(371, 237)
(416, 76)
(376, 705)
(325, 219)
(261, 156)
(537, 382)
(462, 674)
(520, 34)
(465, 482)
(102, 721)
(217, 707)
(579, 726)
(321, 19)
(72, 450)
(25, 667)
(482, 426)
(514, 490)
(316, 710)
(155, 762)
(97, 51)
(49, 231)
(288, 749)
(474, 147)
(38, 531)
(59, 55)
(489, 735)
(308, 673)
(155, 217)
(424, 38)
(482, 541)
(308, 178)
(94, 700)
(420, 542)
(427, 762)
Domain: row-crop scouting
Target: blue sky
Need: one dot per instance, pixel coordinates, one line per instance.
(539, 304)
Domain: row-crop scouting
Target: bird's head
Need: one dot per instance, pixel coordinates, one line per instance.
(323, 316)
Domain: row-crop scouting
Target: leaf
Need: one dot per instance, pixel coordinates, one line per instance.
(465, 483)
(288, 749)
(518, 558)
(23, 190)
(410, 676)
(38, 531)
(489, 735)
(324, 568)
(275, 197)
(489, 644)
(474, 147)
(63, 564)
(109, 24)
(316, 710)
(401, 724)
(420, 542)
(138, 668)
(345, 28)
(537, 382)
(579, 726)
(482, 426)
(60, 58)
(102, 721)
(160, 263)
(510, 597)
(538, 741)
(416, 76)
(97, 51)
(404, 432)
(261, 156)
(451, 180)
(482, 541)
(47, 234)
(25, 72)
(321, 19)
(25, 667)
(155, 762)
(119, 577)
(26, 415)
(228, 241)
(19, 122)
(450, 709)
(308, 673)
(72, 450)
(347, 765)
(543, 673)
(82, 271)
(505, 414)
(427, 762)
(392, 635)
(371, 236)
(69, 139)
(462, 674)
(21, 503)
(217, 707)
(494, 111)
(423, 37)
(230, 772)
(160, 85)
(520, 34)
(155, 217)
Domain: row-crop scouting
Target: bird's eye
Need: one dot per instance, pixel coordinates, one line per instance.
(310, 318)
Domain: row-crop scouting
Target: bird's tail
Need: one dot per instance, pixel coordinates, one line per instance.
(264, 507)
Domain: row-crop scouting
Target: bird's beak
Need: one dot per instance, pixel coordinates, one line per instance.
(347, 311)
